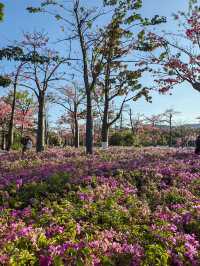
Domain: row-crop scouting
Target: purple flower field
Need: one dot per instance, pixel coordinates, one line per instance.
(123, 206)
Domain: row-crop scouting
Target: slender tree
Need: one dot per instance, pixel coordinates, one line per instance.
(13, 53)
(72, 99)
(66, 124)
(15, 82)
(41, 73)
(5, 110)
(136, 122)
(154, 122)
(168, 116)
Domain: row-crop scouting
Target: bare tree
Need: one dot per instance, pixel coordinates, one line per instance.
(136, 122)
(168, 116)
(72, 99)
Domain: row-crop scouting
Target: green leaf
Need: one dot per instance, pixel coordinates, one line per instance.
(162, 55)
(58, 17)
(141, 35)
(1, 11)
(58, 261)
(4, 81)
(89, 24)
(34, 9)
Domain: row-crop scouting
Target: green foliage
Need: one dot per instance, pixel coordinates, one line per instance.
(55, 184)
(4, 81)
(34, 9)
(1, 11)
(106, 261)
(163, 55)
(124, 138)
(24, 99)
(42, 241)
(16, 146)
(156, 255)
(174, 197)
(154, 21)
(23, 257)
(54, 139)
(11, 52)
(17, 141)
(58, 261)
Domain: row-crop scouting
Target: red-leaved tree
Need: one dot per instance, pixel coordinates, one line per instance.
(179, 53)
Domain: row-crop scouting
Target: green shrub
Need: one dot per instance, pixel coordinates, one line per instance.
(123, 138)
(155, 255)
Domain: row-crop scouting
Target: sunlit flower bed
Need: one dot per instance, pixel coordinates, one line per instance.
(119, 207)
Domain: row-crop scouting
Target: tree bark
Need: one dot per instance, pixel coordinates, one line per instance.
(170, 131)
(104, 136)
(76, 128)
(22, 130)
(46, 131)
(89, 125)
(121, 121)
(88, 87)
(76, 137)
(3, 140)
(41, 124)
(105, 124)
(11, 122)
(131, 122)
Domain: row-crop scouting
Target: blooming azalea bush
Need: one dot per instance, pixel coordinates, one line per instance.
(120, 207)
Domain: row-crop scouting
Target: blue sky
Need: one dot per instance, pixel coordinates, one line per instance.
(184, 98)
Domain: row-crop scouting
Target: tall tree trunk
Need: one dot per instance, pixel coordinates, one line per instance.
(104, 136)
(88, 86)
(46, 131)
(105, 125)
(131, 122)
(121, 121)
(105, 122)
(11, 122)
(170, 131)
(89, 125)
(3, 139)
(41, 124)
(76, 129)
(22, 129)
